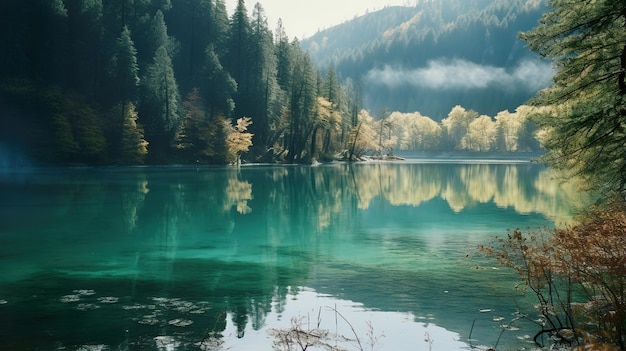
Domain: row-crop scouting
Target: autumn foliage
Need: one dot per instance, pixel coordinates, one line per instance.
(578, 274)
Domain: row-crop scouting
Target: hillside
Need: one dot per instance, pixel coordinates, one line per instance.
(438, 54)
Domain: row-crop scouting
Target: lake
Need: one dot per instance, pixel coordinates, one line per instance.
(210, 258)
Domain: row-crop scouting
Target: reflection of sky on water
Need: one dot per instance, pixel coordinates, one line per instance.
(395, 331)
(398, 239)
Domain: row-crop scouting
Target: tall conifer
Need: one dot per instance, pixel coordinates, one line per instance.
(160, 103)
(586, 41)
(125, 69)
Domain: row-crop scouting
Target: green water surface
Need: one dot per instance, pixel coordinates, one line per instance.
(170, 258)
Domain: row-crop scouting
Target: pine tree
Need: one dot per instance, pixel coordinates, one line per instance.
(125, 69)
(284, 56)
(202, 137)
(191, 23)
(331, 90)
(585, 40)
(133, 146)
(155, 37)
(303, 98)
(264, 89)
(220, 29)
(160, 102)
(239, 61)
(218, 87)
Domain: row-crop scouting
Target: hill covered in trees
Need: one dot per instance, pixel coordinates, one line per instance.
(161, 81)
(437, 54)
(133, 81)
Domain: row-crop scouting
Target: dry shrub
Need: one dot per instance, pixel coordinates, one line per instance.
(578, 274)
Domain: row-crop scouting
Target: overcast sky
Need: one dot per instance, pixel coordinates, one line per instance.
(303, 18)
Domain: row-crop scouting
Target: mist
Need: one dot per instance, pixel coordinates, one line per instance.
(12, 159)
(529, 75)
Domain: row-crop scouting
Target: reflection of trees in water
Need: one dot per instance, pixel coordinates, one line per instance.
(218, 207)
(281, 214)
(278, 205)
(525, 188)
(292, 200)
(238, 193)
(132, 200)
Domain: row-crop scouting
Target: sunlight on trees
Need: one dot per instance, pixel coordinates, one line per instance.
(238, 140)
(327, 129)
(154, 53)
(578, 275)
(456, 126)
(363, 137)
(134, 147)
(585, 41)
(466, 130)
(481, 135)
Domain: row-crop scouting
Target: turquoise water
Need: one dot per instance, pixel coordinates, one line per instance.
(187, 258)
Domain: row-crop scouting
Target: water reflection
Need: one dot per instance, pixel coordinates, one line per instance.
(182, 251)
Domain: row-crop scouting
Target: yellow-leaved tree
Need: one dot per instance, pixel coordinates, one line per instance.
(238, 140)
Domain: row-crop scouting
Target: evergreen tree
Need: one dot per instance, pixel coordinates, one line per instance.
(331, 90)
(160, 102)
(191, 23)
(284, 57)
(117, 14)
(221, 29)
(133, 146)
(202, 137)
(303, 97)
(124, 69)
(585, 40)
(155, 37)
(218, 87)
(264, 89)
(132, 13)
(238, 61)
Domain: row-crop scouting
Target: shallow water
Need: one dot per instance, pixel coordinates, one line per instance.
(185, 258)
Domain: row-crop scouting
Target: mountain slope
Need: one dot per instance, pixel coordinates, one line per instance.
(437, 54)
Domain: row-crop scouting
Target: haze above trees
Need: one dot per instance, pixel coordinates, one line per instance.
(438, 54)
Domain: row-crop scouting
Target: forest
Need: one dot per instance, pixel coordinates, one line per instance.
(87, 82)
(398, 52)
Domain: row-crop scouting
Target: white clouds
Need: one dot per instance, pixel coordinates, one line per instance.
(457, 74)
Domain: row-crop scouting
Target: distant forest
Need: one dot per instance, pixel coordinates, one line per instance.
(160, 81)
(398, 51)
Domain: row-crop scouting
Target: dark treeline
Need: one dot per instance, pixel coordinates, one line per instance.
(160, 81)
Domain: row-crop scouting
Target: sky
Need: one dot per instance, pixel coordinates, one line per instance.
(303, 18)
